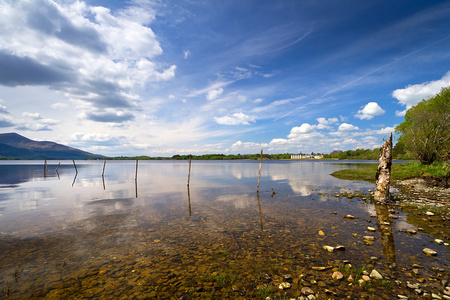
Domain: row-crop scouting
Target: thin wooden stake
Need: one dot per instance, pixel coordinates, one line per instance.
(76, 170)
(45, 169)
(57, 167)
(259, 176)
(189, 174)
(135, 176)
(104, 164)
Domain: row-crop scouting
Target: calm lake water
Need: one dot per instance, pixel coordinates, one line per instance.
(74, 235)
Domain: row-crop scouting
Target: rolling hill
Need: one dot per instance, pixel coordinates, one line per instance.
(15, 146)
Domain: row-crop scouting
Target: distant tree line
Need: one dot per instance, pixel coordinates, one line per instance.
(208, 157)
(398, 153)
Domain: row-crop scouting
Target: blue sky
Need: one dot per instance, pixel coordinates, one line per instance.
(178, 77)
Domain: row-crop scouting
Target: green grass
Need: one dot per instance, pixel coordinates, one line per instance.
(221, 278)
(398, 171)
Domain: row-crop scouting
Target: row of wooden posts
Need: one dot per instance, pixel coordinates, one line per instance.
(136, 174)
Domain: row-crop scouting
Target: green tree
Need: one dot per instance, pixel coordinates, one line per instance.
(426, 129)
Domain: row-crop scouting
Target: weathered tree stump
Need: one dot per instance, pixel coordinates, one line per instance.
(383, 176)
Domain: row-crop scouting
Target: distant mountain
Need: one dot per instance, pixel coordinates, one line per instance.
(13, 145)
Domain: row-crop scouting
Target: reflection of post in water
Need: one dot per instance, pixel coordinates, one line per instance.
(384, 226)
(189, 200)
(103, 175)
(57, 173)
(75, 178)
(45, 169)
(260, 215)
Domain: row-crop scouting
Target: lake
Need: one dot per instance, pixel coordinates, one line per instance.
(77, 234)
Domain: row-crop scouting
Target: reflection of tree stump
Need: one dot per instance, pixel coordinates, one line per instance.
(386, 234)
(383, 176)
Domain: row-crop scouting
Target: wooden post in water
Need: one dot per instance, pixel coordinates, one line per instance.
(259, 175)
(383, 176)
(135, 176)
(76, 170)
(104, 164)
(45, 169)
(189, 173)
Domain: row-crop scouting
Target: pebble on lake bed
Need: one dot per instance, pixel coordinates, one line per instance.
(371, 229)
(429, 213)
(328, 248)
(439, 241)
(429, 252)
(337, 275)
(284, 285)
(375, 275)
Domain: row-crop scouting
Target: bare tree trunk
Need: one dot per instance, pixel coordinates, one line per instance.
(383, 176)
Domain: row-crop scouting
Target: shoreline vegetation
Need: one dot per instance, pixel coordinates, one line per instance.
(401, 171)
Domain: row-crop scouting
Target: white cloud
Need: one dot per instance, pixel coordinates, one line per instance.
(215, 86)
(400, 113)
(386, 130)
(59, 105)
(89, 53)
(347, 127)
(248, 146)
(303, 132)
(324, 123)
(369, 111)
(413, 94)
(186, 54)
(276, 142)
(235, 119)
(214, 94)
(302, 129)
(34, 116)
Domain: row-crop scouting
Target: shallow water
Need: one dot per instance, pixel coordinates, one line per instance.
(83, 235)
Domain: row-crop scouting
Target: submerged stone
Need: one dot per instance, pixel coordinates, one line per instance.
(328, 248)
(284, 285)
(375, 275)
(337, 275)
(429, 252)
